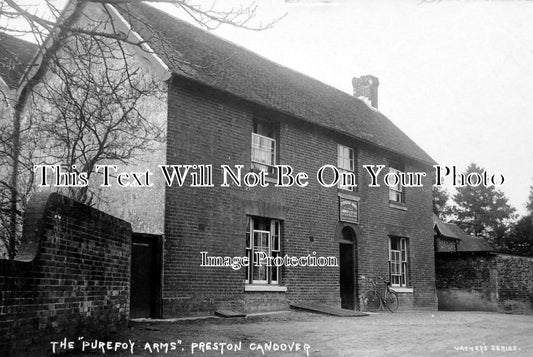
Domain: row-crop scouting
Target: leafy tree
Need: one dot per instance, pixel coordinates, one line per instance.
(520, 240)
(482, 211)
(440, 202)
(529, 205)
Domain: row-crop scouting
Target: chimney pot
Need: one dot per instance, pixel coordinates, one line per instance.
(366, 88)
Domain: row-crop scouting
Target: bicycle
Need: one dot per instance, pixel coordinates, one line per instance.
(373, 300)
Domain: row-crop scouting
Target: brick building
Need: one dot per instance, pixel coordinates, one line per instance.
(228, 106)
(233, 107)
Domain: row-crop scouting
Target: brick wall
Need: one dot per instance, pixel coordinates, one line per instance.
(70, 278)
(493, 282)
(208, 127)
(380, 220)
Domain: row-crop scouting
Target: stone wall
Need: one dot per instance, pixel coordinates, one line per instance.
(515, 283)
(485, 282)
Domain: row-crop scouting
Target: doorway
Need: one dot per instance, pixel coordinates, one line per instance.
(145, 293)
(347, 268)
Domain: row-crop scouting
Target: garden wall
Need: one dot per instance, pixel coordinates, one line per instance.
(71, 277)
(485, 282)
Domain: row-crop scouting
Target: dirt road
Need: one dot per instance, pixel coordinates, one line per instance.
(306, 334)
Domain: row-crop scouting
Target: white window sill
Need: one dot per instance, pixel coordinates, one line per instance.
(402, 290)
(271, 179)
(265, 287)
(397, 206)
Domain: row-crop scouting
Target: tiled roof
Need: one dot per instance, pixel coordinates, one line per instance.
(470, 243)
(467, 243)
(15, 56)
(443, 228)
(200, 56)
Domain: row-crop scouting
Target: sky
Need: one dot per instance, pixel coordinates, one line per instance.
(455, 76)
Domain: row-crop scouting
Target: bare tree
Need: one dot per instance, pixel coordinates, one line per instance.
(92, 111)
(81, 95)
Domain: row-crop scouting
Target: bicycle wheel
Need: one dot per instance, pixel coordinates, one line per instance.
(371, 301)
(391, 301)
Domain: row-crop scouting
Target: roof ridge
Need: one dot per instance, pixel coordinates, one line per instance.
(192, 25)
(196, 54)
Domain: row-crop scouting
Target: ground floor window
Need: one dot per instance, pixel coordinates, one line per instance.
(263, 236)
(398, 261)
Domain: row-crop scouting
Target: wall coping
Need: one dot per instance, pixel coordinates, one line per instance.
(37, 209)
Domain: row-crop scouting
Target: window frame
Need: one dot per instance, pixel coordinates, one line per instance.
(396, 194)
(342, 168)
(399, 277)
(272, 273)
(260, 131)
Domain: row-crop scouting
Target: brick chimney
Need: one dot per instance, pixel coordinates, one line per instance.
(366, 89)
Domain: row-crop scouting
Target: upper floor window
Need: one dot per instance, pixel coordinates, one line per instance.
(263, 245)
(396, 193)
(264, 147)
(346, 164)
(398, 261)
